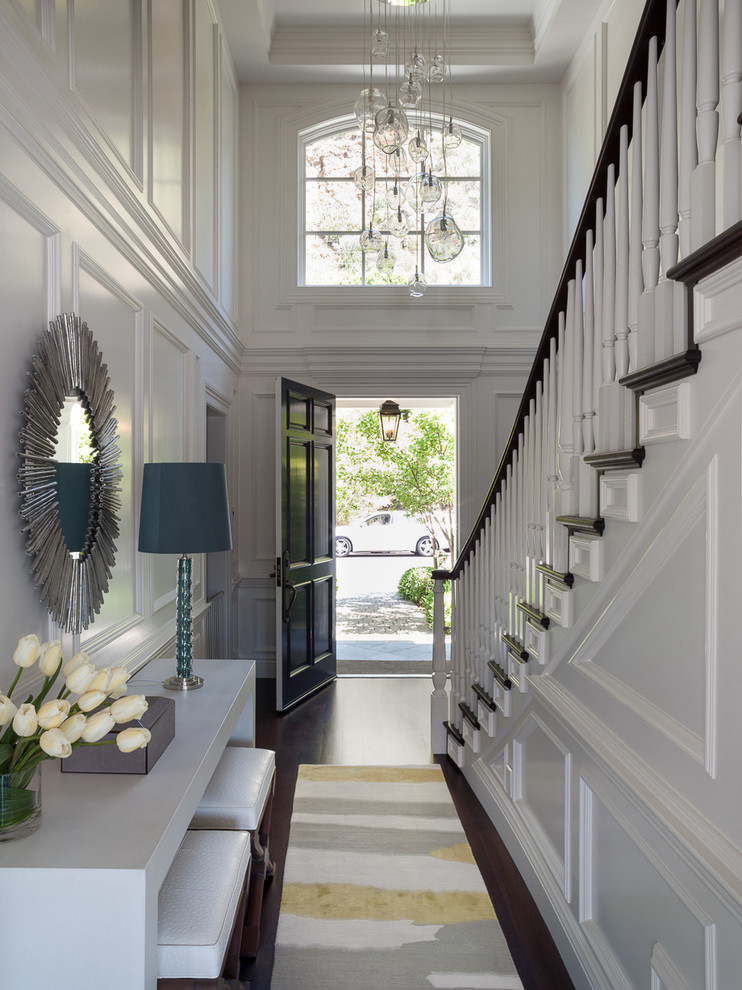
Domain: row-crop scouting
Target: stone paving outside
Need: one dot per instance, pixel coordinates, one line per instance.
(374, 625)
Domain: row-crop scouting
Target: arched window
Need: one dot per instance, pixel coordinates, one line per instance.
(334, 212)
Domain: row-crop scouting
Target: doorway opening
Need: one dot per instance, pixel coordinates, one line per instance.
(395, 522)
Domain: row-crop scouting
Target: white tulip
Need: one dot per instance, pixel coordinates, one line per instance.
(25, 720)
(119, 676)
(55, 743)
(90, 700)
(7, 709)
(27, 650)
(51, 657)
(133, 738)
(53, 713)
(73, 726)
(101, 681)
(77, 682)
(97, 726)
(74, 663)
(132, 706)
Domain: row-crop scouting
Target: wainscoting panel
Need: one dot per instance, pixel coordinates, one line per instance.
(205, 143)
(542, 790)
(115, 317)
(169, 125)
(617, 859)
(105, 73)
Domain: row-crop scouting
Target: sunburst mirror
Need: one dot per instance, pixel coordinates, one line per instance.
(69, 473)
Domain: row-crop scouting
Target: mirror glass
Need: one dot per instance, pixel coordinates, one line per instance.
(70, 473)
(74, 453)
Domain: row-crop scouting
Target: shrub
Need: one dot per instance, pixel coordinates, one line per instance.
(416, 585)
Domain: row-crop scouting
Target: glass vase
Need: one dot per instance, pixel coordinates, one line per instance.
(20, 803)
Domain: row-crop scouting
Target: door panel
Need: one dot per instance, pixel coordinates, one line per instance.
(305, 572)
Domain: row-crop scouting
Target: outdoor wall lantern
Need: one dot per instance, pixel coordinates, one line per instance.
(389, 417)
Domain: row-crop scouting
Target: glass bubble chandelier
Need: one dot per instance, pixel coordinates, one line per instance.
(404, 111)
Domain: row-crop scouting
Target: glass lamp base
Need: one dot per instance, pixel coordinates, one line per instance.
(176, 683)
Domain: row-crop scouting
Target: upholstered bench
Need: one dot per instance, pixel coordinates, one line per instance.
(240, 796)
(201, 912)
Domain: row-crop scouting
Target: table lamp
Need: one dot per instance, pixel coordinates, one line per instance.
(185, 510)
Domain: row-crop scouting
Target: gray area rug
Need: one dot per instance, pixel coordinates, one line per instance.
(381, 889)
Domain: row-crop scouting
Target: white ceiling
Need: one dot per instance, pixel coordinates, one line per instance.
(323, 40)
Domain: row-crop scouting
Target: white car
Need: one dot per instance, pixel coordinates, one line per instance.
(384, 532)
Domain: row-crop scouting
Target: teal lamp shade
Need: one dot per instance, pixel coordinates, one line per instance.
(74, 502)
(185, 510)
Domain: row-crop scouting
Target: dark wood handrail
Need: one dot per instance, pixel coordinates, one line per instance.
(651, 25)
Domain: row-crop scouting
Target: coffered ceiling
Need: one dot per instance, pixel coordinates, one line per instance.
(304, 41)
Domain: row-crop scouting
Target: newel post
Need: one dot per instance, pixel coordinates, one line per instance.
(439, 697)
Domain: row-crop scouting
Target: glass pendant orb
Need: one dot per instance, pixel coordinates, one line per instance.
(417, 148)
(371, 240)
(399, 223)
(416, 62)
(391, 128)
(364, 178)
(379, 43)
(410, 92)
(386, 259)
(417, 284)
(444, 238)
(451, 136)
(368, 104)
(398, 161)
(423, 191)
(395, 197)
(437, 70)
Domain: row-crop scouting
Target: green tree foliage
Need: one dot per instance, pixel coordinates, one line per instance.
(416, 474)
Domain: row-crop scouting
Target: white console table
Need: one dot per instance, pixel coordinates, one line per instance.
(78, 898)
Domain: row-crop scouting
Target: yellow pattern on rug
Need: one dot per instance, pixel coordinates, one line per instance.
(334, 901)
(460, 853)
(391, 775)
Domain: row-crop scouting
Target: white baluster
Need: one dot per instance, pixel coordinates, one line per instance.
(650, 215)
(669, 154)
(622, 258)
(609, 280)
(439, 697)
(688, 140)
(588, 357)
(731, 107)
(551, 454)
(703, 182)
(598, 281)
(578, 345)
(636, 279)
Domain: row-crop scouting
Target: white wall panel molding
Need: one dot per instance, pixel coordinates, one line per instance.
(47, 126)
(699, 504)
(664, 975)
(705, 851)
(256, 609)
(529, 795)
(665, 414)
(569, 936)
(116, 112)
(38, 25)
(716, 304)
(13, 198)
(115, 317)
(586, 556)
(620, 495)
(614, 843)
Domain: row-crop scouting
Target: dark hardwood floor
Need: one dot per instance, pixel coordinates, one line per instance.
(386, 721)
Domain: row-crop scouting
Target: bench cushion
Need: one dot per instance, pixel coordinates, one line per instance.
(238, 791)
(198, 902)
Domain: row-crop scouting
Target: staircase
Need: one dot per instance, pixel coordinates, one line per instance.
(596, 664)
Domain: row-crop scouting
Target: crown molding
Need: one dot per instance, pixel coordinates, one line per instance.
(341, 44)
